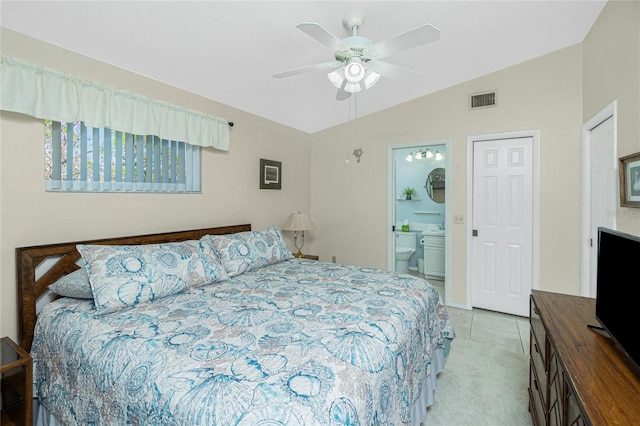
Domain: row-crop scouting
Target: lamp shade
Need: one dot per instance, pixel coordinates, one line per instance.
(298, 222)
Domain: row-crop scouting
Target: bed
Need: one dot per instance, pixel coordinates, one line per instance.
(222, 326)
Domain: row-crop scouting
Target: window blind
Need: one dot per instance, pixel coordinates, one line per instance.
(83, 158)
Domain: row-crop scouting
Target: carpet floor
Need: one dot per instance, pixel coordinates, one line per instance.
(481, 386)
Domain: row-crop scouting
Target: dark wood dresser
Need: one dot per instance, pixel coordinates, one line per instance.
(577, 375)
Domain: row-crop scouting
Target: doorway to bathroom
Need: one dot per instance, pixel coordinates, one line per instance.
(418, 241)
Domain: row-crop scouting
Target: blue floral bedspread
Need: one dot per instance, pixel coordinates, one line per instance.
(296, 343)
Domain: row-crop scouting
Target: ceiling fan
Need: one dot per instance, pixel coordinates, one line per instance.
(357, 63)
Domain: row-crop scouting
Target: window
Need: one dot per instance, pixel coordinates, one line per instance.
(79, 158)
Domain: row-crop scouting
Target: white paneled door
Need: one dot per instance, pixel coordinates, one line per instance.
(502, 242)
(603, 185)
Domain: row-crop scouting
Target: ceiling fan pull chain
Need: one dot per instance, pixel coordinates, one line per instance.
(346, 160)
(358, 151)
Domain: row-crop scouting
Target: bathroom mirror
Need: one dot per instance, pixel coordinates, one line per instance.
(435, 185)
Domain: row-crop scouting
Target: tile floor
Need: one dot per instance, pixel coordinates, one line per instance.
(508, 331)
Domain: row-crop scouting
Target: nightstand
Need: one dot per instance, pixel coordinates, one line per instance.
(310, 256)
(16, 384)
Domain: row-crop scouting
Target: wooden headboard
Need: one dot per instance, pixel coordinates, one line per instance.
(65, 255)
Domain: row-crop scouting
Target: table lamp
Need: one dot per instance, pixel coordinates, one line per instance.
(298, 223)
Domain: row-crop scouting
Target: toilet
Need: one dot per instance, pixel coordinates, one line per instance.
(405, 248)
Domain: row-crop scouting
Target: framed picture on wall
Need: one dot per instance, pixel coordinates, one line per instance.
(270, 174)
(630, 180)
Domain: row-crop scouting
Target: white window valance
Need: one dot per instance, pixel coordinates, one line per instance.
(45, 93)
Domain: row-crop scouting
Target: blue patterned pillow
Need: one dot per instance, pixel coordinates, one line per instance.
(248, 250)
(126, 276)
(75, 284)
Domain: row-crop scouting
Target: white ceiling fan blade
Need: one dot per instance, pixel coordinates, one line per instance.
(424, 34)
(308, 68)
(392, 71)
(323, 36)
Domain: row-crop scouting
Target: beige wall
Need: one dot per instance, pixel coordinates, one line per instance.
(349, 203)
(230, 192)
(612, 72)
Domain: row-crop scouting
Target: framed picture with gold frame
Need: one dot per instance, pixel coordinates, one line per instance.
(270, 174)
(630, 180)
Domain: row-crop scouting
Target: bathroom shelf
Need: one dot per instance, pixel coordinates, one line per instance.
(433, 213)
(412, 199)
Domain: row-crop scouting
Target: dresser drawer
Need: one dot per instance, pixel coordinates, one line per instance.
(538, 367)
(537, 328)
(538, 334)
(537, 352)
(536, 404)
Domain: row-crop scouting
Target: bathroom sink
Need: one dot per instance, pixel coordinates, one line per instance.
(433, 229)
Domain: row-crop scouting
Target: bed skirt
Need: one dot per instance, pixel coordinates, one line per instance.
(42, 417)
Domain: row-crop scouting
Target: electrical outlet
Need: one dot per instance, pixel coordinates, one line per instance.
(458, 218)
(333, 259)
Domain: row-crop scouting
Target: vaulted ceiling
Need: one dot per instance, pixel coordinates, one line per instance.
(228, 51)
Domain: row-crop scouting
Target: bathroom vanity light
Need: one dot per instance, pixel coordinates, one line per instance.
(298, 223)
(419, 155)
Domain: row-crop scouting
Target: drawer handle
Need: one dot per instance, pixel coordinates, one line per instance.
(535, 384)
(535, 346)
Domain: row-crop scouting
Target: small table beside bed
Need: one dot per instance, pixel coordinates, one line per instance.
(223, 326)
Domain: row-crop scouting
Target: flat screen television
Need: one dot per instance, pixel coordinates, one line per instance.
(618, 289)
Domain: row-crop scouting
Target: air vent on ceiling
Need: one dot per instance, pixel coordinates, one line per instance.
(483, 100)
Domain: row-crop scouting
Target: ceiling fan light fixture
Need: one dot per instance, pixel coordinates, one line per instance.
(354, 70)
(370, 78)
(339, 80)
(352, 87)
(336, 77)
